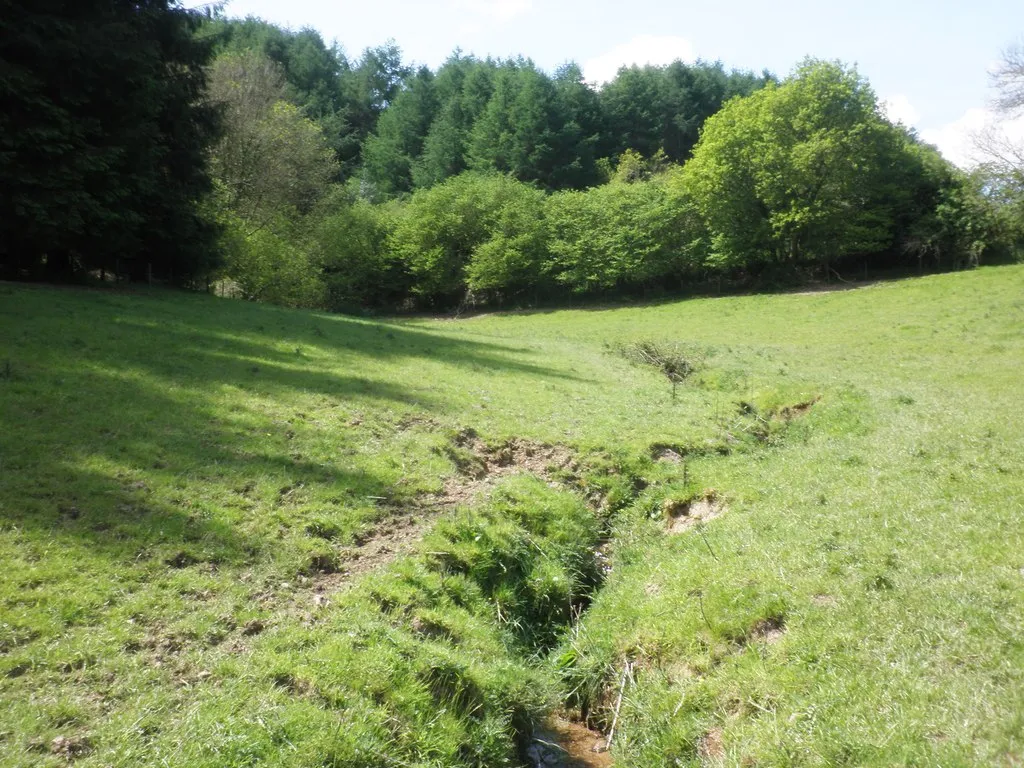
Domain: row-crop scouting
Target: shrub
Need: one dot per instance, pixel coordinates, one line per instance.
(623, 235)
(268, 266)
(474, 233)
(358, 268)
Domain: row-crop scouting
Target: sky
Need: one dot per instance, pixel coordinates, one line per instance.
(927, 60)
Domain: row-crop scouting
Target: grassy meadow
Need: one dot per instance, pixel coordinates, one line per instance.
(234, 534)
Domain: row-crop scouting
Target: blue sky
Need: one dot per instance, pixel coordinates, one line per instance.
(928, 60)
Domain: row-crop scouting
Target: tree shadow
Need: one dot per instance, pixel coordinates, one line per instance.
(593, 304)
(148, 473)
(134, 426)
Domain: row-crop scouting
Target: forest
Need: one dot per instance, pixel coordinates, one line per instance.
(146, 142)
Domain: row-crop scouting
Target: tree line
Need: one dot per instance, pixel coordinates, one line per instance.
(104, 139)
(140, 136)
(396, 128)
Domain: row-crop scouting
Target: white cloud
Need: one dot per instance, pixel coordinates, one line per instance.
(644, 49)
(957, 140)
(899, 110)
(498, 10)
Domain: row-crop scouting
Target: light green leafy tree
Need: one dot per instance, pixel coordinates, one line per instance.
(627, 234)
(474, 236)
(271, 160)
(797, 173)
(350, 239)
(270, 264)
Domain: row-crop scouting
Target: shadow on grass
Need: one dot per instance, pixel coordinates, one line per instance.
(132, 472)
(134, 426)
(588, 303)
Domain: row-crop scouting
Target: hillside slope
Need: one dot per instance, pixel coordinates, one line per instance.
(212, 522)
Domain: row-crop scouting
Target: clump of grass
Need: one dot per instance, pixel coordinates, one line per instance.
(529, 551)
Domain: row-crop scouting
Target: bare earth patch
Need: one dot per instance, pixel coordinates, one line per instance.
(70, 747)
(480, 467)
(710, 747)
(768, 630)
(392, 538)
(846, 285)
(791, 412)
(683, 515)
(487, 465)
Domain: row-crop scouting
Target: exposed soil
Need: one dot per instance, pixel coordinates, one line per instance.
(710, 747)
(480, 467)
(393, 537)
(846, 285)
(768, 630)
(683, 515)
(70, 747)
(563, 743)
(791, 412)
(666, 455)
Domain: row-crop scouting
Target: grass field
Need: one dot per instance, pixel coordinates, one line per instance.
(237, 535)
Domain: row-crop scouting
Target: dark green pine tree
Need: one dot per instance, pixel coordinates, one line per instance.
(368, 88)
(693, 93)
(389, 152)
(518, 131)
(634, 107)
(579, 128)
(444, 149)
(103, 139)
(463, 86)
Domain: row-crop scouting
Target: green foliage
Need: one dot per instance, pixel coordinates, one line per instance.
(312, 70)
(105, 137)
(1002, 188)
(464, 87)
(511, 260)
(346, 98)
(369, 86)
(513, 134)
(271, 161)
(481, 232)
(792, 173)
(621, 235)
(443, 148)
(271, 264)
(391, 127)
(959, 227)
(650, 109)
(359, 270)
(389, 152)
(537, 128)
(795, 178)
(272, 168)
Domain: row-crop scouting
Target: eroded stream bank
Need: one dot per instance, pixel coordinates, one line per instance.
(520, 541)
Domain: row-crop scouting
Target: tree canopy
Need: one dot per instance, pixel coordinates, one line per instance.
(103, 135)
(800, 172)
(140, 138)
